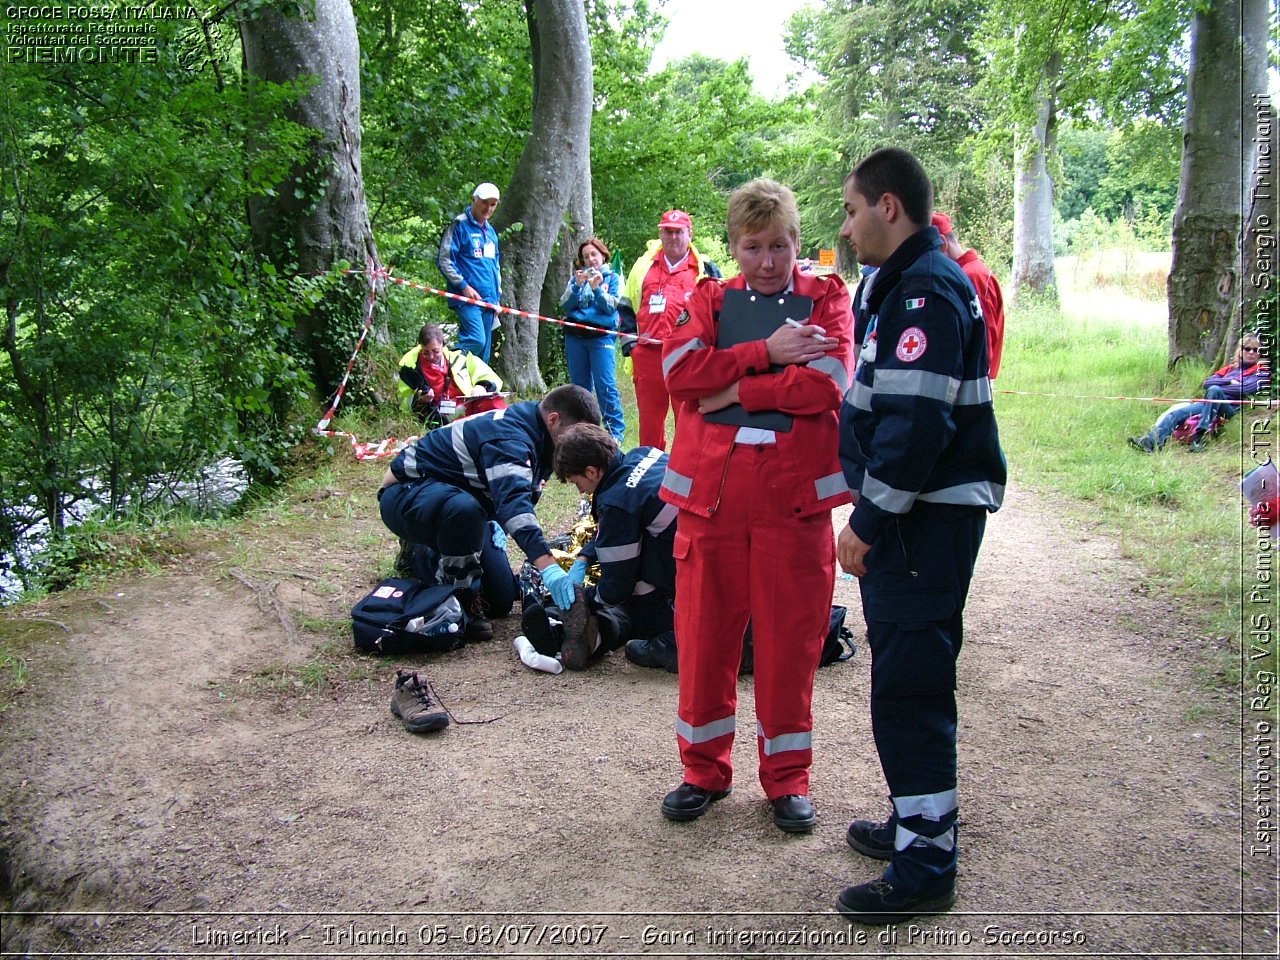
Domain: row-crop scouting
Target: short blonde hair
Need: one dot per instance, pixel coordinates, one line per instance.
(760, 204)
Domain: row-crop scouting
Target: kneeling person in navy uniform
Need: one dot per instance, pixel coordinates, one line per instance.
(633, 601)
(920, 451)
(477, 480)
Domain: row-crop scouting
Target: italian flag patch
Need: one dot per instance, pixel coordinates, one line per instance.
(915, 304)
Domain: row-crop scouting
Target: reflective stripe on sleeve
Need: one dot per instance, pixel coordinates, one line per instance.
(974, 392)
(464, 455)
(859, 397)
(916, 383)
(677, 483)
(643, 589)
(887, 498)
(675, 356)
(834, 369)
(625, 551)
(707, 731)
(521, 521)
(666, 516)
(980, 493)
(509, 470)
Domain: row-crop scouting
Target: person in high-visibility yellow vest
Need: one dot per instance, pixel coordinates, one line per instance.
(435, 379)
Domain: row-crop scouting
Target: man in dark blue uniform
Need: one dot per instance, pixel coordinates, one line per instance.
(443, 490)
(921, 453)
(633, 601)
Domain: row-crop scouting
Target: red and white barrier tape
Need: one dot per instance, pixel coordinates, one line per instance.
(500, 308)
(391, 446)
(374, 273)
(1246, 402)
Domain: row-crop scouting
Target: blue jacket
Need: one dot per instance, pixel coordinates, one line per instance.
(635, 530)
(917, 430)
(598, 307)
(466, 257)
(502, 458)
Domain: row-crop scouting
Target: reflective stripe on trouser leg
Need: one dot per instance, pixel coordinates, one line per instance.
(463, 529)
(710, 619)
(792, 575)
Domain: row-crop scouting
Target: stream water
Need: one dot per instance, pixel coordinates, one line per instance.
(219, 486)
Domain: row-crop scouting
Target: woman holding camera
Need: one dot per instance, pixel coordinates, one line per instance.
(591, 298)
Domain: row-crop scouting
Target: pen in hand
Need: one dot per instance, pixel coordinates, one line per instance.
(800, 326)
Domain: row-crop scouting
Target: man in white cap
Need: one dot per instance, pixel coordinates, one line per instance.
(471, 265)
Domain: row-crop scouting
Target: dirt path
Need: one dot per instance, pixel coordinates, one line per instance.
(148, 769)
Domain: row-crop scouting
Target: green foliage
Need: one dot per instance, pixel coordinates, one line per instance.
(140, 339)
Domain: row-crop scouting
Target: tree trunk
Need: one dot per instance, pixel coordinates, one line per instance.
(576, 225)
(1204, 282)
(545, 177)
(1033, 272)
(318, 215)
(1260, 196)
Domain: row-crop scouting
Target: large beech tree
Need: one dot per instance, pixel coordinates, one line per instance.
(318, 215)
(1228, 66)
(553, 163)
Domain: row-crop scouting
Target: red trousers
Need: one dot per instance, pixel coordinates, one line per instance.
(652, 399)
(750, 561)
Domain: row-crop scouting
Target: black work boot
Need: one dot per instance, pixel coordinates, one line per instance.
(880, 902)
(479, 627)
(658, 652)
(608, 629)
(404, 559)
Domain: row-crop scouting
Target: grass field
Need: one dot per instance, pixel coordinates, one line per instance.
(1178, 514)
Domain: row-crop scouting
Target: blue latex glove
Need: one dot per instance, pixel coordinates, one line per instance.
(559, 586)
(578, 572)
(497, 535)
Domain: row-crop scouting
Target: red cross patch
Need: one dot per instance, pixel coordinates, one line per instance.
(911, 345)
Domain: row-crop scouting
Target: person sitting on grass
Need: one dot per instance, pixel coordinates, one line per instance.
(431, 373)
(1245, 376)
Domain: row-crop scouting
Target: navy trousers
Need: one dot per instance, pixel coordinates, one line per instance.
(913, 597)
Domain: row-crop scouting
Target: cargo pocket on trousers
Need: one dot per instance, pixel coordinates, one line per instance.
(911, 647)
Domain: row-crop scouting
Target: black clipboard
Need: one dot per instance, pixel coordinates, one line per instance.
(746, 316)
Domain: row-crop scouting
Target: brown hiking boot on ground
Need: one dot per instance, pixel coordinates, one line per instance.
(415, 703)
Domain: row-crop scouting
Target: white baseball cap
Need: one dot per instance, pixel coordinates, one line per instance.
(485, 191)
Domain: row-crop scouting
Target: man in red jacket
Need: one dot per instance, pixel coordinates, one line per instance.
(664, 292)
(984, 281)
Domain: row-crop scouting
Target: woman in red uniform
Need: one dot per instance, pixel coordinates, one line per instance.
(754, 539)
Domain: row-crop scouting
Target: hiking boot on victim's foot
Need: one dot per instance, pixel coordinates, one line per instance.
(577, 647)
(880, 902)
(415, 703)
